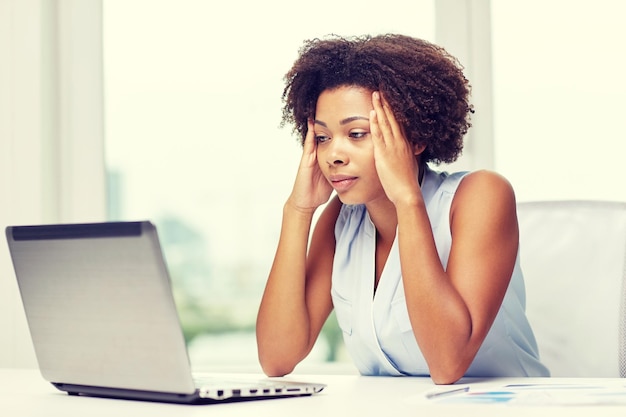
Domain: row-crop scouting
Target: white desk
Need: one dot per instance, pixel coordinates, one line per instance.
(24, 393)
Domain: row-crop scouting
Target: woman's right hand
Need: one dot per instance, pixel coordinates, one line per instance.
(311, 188)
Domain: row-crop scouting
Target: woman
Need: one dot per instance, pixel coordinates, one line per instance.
(420, 266)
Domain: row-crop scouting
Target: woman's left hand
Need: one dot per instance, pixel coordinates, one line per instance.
(394, 156)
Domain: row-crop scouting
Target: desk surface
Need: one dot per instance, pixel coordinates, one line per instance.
(25, 393)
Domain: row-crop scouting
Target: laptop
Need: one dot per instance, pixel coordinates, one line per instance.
(103, 319)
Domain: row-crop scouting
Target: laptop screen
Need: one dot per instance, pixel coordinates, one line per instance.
(99, 305)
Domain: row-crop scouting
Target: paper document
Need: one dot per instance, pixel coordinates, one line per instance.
(533, 394)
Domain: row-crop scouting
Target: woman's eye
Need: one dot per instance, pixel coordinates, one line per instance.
(321, 138)
(358, 135)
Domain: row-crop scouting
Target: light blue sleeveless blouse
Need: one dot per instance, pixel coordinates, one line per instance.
(376, 328)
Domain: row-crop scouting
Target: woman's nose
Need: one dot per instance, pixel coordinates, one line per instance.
(336, 154)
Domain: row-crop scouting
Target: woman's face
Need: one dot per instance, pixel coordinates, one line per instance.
(345, 151)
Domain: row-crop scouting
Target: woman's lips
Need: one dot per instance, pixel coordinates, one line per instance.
(342, 182)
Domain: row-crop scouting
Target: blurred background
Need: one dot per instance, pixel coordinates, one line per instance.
(169, 110)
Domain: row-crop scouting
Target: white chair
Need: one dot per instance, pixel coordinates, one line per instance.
(573, 255)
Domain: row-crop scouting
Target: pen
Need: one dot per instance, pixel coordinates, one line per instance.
(439, 394)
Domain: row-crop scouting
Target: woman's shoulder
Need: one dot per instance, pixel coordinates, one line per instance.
(468, 179)
(485, 192)
(485, 182)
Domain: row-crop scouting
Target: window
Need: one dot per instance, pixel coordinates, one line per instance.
(193, 105)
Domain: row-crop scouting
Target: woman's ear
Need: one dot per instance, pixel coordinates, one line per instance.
(418, 148)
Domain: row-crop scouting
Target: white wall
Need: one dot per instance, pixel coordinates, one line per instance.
(51, 134)
(559, 91)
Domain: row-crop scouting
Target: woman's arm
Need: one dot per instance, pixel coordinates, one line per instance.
(452, 310)
(296, 301)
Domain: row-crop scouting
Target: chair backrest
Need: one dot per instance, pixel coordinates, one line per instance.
(573, 255)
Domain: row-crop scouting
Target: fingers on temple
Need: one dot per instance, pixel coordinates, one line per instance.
(309, 139)
(378, 119)
(390, 118)
(386, 122)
